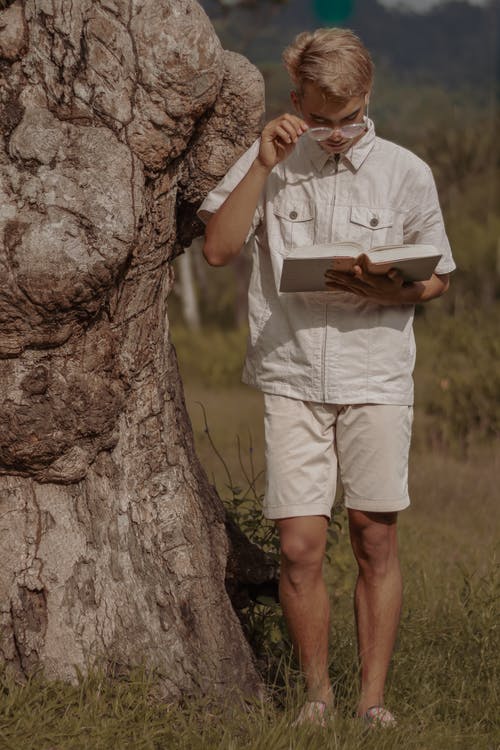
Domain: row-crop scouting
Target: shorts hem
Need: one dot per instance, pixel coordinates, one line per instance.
(377, 506)
(294, 511)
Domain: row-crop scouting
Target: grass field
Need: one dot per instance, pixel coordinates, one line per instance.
(444, 681)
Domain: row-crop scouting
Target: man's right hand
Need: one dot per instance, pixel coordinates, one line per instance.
(279, 138)
(226, 231)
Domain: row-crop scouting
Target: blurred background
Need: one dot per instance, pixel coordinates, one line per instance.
(436, 92)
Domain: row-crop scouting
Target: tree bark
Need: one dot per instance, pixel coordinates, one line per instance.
(116, 116)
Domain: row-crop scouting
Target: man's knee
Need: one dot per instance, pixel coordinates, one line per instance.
(374, 541)
(302, 543)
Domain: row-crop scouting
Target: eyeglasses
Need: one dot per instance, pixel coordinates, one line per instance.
(323, 133)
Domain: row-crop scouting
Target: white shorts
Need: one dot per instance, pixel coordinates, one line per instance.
(305, 441)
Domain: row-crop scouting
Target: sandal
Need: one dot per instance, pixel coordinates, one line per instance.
(311, 712)
(378, 716)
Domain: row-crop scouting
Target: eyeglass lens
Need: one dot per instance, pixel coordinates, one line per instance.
(348, 131)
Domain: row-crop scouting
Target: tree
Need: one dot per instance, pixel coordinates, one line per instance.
(115, 119)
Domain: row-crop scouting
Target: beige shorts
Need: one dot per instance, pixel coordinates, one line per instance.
(306, 441)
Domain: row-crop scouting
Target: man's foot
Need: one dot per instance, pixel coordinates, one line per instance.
(312, 712)
(378, 716)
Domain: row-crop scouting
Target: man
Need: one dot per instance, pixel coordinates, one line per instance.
(335, 367)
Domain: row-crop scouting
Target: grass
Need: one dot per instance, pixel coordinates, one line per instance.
(444, 678)
(444, 682)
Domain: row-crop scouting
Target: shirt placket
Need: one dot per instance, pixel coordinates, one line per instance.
(325, 304)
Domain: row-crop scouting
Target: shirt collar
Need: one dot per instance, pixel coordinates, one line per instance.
(353, 157)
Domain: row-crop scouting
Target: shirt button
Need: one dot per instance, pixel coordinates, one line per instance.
(374, 222)
(293, 215)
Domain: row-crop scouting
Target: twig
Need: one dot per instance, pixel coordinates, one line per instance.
(213, 446)
(250, 481)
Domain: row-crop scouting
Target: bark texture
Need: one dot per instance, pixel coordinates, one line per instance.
(116, 117)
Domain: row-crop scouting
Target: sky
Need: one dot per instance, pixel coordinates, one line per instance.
(423, 5)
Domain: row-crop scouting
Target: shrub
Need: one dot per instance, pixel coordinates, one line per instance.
(458, 379)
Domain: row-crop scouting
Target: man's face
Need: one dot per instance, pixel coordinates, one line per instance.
(318, 111)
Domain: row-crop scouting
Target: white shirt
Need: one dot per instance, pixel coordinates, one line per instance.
(334, 347)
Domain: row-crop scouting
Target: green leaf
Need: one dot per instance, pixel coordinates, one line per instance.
(268, 601)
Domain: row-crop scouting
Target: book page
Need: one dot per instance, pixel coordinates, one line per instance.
(402, 252)
(336, 249)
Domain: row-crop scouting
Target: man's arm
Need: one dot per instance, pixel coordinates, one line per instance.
(228, 227)
(423, 291)
(388, 289)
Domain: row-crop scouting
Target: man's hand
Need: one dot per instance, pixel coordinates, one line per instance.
(388, 289)
(279, 138)
(384, 289)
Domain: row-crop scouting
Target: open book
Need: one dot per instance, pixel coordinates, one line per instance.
(304, 268)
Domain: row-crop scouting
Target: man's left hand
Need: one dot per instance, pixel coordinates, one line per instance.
(384, 289)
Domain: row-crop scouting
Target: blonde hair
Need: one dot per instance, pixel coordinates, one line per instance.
(335, 60)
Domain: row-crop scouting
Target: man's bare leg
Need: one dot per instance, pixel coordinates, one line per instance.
(304, 598)
(377, 600)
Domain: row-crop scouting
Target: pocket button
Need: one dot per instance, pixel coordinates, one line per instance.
(374, 221)
(293, 215)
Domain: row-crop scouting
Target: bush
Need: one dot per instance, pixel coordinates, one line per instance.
(457, 378)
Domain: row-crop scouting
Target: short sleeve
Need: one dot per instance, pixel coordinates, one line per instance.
(233, 177)
(424, 223)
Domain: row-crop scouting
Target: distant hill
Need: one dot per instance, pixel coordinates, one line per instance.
(455, 45)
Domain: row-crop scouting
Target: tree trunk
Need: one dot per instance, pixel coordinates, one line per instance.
(116, 116)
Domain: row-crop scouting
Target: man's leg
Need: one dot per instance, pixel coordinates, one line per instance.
(378, 598)
(304, 598)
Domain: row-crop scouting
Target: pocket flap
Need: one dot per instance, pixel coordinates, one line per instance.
(293, 210)
(372, 218)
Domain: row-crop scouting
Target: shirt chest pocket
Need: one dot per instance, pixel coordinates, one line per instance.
(293, 224)
(375, 226)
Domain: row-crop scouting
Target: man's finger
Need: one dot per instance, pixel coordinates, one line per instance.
(358, 270)
(334, 286)
(342, 275)
(395, 276)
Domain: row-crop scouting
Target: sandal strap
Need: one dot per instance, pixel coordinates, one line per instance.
(311, 711)
(314, 706)
(379, 715)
